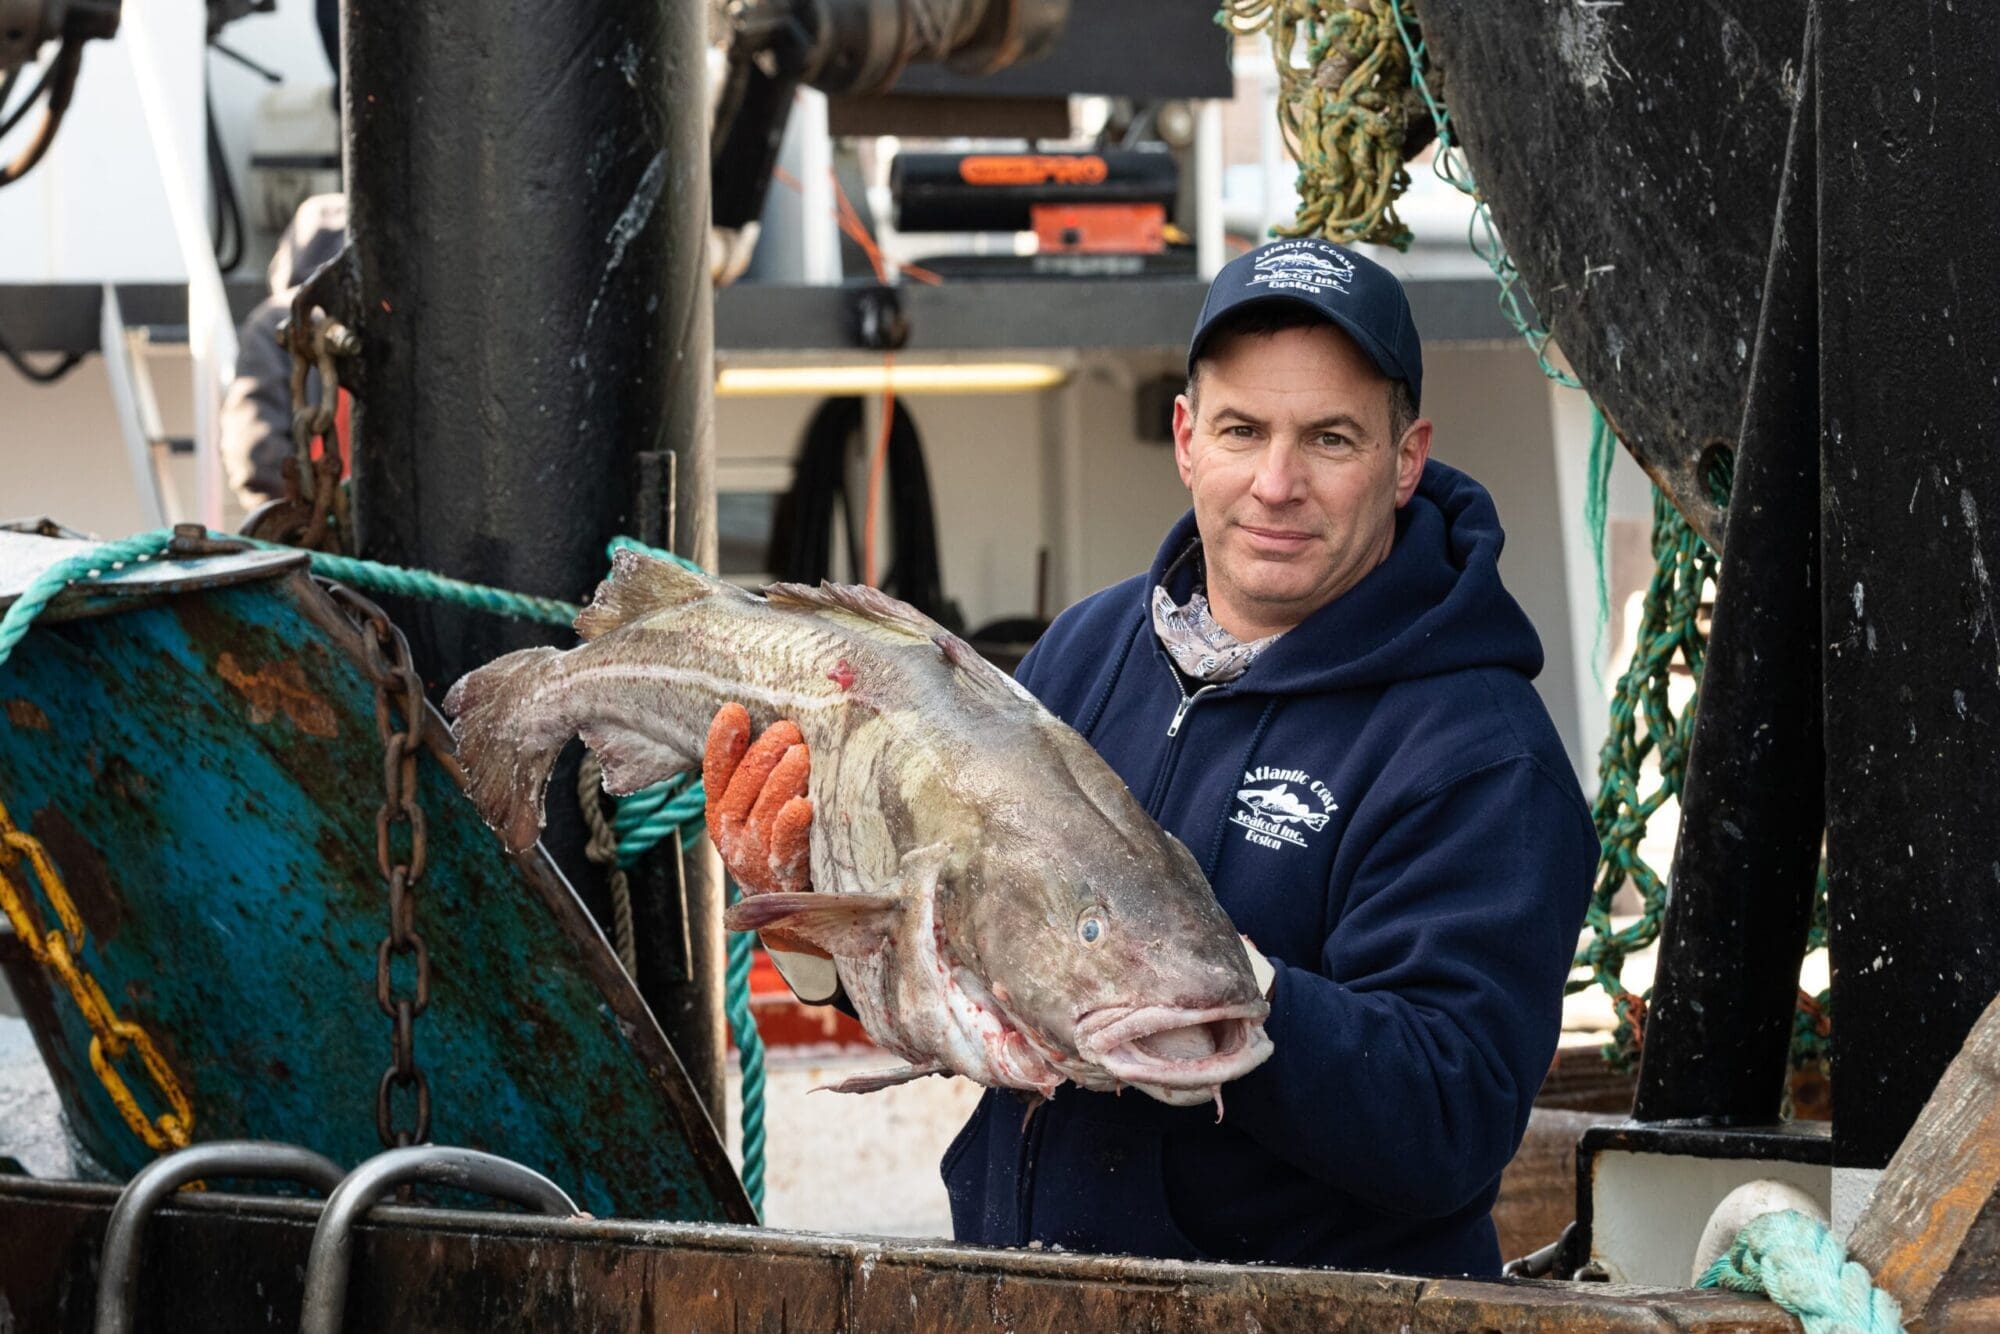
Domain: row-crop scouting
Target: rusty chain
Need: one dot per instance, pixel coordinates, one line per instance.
(313, 512)
(398, 688)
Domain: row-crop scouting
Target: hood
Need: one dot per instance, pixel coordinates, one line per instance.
(1436, 605)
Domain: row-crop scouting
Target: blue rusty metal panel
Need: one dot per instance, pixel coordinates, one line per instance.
(205, 770)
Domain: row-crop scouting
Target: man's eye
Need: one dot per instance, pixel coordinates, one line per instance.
(1238, 432)
(1334, 440)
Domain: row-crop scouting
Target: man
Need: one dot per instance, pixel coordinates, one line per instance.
(1321, 688)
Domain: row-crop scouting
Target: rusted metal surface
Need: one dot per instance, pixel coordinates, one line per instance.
(1631, 156)
(223, 1262)
(222, 855)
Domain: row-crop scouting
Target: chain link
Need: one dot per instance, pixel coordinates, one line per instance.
(313, 511)
(398, 690)
(61, 951)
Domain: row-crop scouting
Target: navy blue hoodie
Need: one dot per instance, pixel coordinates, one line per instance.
(1384, 808)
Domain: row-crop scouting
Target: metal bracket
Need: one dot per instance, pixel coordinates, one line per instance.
(335, 287)
(878, 319)
(118, 1279)
(332, 1256)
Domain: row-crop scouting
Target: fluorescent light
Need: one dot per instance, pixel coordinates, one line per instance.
(989, 377)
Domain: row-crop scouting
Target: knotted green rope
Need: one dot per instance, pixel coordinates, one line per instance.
(1797, 1263)
(1345, 111)
(1643, 724)
(642, 820)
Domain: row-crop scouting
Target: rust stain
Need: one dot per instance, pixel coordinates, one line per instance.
(85, 874)
(26, 713)
(279, 688)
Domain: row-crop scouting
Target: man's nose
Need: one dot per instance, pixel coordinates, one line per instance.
(1280, 474)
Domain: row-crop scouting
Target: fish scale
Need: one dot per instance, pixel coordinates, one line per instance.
(996, 902)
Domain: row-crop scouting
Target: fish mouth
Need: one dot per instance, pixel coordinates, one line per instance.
(1170, 1049)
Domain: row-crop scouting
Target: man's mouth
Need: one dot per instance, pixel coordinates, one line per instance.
(1276, 537)
(1173, 1048)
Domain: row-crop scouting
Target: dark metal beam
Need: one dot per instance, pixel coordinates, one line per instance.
(1720, 1024)
(1910, 411)
(529, 199)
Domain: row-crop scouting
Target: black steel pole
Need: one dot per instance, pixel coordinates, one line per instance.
(528, 187)
(1719, 1028)
(1910, 415)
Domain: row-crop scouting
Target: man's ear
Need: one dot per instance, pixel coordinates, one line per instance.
(1184, 438)
(1411, 452)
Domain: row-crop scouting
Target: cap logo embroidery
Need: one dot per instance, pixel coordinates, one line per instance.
(1271, 814)
(1303, 267)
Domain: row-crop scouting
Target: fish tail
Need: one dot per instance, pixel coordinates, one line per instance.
(508, 740)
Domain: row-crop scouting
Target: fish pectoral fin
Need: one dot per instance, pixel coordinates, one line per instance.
(631, 760)
(881, 1079)
(844, 925)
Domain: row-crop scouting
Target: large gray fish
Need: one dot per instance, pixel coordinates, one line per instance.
(996, 902)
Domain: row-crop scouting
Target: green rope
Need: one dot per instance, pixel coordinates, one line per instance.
(43, 588)
(372, 577)
(1596, 509)
(1643, 724)
(642, 820)
(750, 1058)
(1800, 1266)
(1345, 112)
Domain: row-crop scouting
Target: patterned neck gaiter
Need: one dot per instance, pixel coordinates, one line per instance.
(1199, 646)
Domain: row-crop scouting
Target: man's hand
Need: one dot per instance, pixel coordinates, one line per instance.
(760, 820)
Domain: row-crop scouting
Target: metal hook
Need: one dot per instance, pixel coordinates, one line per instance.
(462, 1169)
(118, 1281)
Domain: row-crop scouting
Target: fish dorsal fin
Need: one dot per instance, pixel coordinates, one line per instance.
(639, 586)
(900, 619)
(868, 604)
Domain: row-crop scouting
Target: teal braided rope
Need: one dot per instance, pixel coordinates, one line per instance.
(647, 817)
(1799, 1265)
(44, 587)
(374, 577)
(641, 820)
(749, 1057)
(1596, 511)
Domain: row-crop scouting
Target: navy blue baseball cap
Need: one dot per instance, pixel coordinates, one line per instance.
(1352, 291)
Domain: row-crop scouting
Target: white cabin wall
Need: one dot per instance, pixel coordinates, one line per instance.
(985, 459)
(1491, 418)
(1133, 492)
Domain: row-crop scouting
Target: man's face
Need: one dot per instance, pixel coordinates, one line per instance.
(1286, 448)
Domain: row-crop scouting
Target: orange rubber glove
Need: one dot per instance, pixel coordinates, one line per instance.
(759, 816)
(760, 820)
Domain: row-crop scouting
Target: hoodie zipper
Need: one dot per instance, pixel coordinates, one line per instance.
(1172, 760)
(1187, 702)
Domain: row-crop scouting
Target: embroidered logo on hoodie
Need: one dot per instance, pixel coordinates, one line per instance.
(1271, 813)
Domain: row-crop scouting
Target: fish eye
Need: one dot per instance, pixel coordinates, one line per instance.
(1092, 925)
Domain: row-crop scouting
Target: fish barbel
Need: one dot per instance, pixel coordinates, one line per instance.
(996, 902)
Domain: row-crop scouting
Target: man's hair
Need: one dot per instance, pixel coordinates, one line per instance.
(1263, 321)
